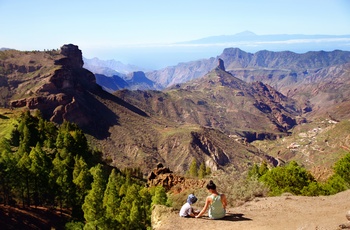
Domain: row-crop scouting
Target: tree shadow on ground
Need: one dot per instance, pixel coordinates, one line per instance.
(31, 218)
(3, 117)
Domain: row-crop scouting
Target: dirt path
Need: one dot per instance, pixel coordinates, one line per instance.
(284, 212)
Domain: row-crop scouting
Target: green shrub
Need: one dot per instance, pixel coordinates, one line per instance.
(335, 184)
(290, 178)
(314, 189)
(342, 169)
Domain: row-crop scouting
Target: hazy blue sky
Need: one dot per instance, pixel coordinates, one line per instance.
(93, 25)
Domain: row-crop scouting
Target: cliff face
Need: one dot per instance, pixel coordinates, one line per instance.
(58, 86)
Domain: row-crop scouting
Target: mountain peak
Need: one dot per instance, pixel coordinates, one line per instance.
(246, 33)
(73, 56)
(221, 64)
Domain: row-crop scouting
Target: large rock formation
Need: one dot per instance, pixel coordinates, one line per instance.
(221, 64)
(61, 95)
(162, 176)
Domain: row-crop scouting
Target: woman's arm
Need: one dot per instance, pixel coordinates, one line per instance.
(207, 202)
(223, 200)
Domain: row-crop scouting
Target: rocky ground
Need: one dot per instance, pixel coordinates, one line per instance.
(284, 212)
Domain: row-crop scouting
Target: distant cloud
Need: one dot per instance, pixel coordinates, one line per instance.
(260, 43)
(193, 44)
(343, 41)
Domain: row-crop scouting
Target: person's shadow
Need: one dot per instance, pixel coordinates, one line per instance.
(235, 217)
(231, 217)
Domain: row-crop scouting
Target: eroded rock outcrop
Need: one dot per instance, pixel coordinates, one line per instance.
(61, 96)
(221, 64)
(163, 176)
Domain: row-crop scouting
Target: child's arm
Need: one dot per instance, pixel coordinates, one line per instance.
(193, 213)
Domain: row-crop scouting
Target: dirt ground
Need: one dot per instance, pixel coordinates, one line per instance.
(284, 212)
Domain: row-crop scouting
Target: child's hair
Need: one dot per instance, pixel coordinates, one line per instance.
(211, 185)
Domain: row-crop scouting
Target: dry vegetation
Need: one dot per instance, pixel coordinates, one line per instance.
(316, 145)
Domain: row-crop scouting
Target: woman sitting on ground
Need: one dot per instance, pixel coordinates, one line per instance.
(215, 202)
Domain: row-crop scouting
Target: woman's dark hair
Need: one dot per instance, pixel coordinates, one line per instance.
(211, 185)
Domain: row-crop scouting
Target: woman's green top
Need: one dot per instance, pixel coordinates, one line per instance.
(216, 209)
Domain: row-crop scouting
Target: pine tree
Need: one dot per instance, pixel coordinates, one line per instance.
(48, 133)
(145, 208)
(207, 171)
(202, 171)
(82, 180)
(136, 221)
(94, 212)
(81, 176)
(24, 177)
(126, 206)
(40, 168)
(159, 196)
(8, 170)
(15, 137)
(193, 171)
(28, 128)
(111, 198)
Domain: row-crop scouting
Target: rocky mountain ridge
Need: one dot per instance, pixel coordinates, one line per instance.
(237, 59)
(134, 81)
(222, 101)
(303, 77)
(318, 79)
(55, 83)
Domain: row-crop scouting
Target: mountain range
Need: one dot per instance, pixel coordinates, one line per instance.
(212, 110)
(159, 56)
(290, 73)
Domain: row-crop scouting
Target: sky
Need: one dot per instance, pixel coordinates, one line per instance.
(99, 26)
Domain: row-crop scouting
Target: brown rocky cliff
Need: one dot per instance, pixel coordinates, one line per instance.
(61, 96)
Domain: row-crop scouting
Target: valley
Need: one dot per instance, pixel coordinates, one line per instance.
(244, 98)
(228, 113)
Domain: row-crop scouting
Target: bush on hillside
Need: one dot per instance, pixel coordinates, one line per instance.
(297, 180)
(342, 169)
(290, 178)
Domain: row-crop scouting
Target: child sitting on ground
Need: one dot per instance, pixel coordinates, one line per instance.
(186, 209)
